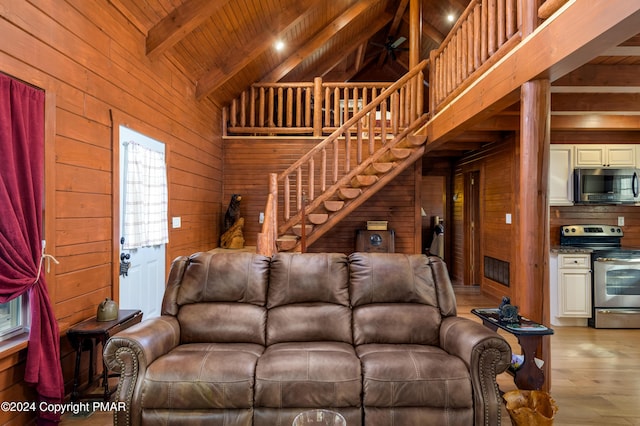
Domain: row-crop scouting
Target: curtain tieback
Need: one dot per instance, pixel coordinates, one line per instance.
(45, 256)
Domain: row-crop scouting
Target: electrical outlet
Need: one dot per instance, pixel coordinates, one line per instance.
(508, 218)
(261, 218)
(620, 220)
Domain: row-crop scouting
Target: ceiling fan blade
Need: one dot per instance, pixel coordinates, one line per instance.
(398, 42)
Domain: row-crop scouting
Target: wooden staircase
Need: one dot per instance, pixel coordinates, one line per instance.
(355, 161)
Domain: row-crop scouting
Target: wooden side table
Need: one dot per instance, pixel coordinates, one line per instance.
(86, 336)
(529, 333)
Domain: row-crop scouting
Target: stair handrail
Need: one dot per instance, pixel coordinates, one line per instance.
(358, 116)
(358, 170)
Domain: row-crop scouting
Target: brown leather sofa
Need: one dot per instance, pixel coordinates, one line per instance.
(249, 340)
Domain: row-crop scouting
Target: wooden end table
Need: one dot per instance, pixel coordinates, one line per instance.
(529, 333)
(86, 336)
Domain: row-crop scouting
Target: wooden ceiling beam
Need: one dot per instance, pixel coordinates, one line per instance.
(180, 22)
(599, 78)
(595, 102)
(561, 44)
(241, 56)
(316, 42)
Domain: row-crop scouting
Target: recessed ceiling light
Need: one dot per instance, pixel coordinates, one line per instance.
(279, 45)
(450, 17)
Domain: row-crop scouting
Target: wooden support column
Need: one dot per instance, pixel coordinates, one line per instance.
(415, 32)
(531, 284)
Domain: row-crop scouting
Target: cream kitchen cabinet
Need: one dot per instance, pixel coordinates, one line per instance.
(614, 155)
(561, 175)
(574, 285)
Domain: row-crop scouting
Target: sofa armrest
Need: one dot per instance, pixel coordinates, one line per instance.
(486, 354)
(130, 352)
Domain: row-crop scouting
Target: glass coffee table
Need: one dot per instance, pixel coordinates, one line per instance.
(319, 418)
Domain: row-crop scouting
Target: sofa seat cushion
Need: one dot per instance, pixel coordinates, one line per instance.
(202, 376)
(308, 374)
(413, 376)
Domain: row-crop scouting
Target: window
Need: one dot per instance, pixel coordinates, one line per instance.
(13, 317)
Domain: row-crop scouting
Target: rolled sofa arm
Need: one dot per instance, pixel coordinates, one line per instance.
(130, 352)
(486, 354)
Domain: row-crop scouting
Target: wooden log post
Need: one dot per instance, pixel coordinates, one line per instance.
(317, 107)
(531, 289)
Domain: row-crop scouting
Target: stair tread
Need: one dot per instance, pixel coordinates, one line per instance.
(317, 218)
(297, 229)
(363, 180)
(333, 205)
(349, 193)
(378, 168)
(395, 154)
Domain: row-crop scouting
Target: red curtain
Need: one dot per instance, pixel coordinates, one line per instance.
(21, 234)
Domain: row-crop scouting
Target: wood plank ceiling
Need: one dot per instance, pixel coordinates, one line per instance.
(224, 46)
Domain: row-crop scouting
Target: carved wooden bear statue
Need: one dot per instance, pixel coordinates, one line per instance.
(233, 212)
(233, 237)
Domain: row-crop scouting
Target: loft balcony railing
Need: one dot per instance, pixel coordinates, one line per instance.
(315, 108)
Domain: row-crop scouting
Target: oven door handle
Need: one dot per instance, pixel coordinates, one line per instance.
(617, 261)
(619, 311)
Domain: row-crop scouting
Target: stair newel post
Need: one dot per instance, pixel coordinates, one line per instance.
(266, 242)
(317, 106)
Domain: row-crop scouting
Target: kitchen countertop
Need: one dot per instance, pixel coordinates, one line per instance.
(571, 250)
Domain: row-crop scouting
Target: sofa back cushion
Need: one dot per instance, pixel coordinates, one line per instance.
(398, 298)
(308, 298)
(220, 297)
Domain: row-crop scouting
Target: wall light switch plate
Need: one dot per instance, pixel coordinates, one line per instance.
(508, 218)
(620, 220)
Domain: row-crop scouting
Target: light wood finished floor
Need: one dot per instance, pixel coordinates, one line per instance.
(595, 373)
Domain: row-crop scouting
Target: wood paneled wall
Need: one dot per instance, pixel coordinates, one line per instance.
(248, 162)
(497, 165)
(91, 62)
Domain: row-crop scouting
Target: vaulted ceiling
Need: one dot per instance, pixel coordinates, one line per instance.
(224, 46)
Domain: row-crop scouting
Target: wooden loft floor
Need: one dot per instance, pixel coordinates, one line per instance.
(594, 373)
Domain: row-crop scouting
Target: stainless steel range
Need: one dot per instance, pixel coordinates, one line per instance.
(616, 274)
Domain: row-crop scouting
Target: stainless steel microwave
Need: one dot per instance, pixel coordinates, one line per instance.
(606, 186)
